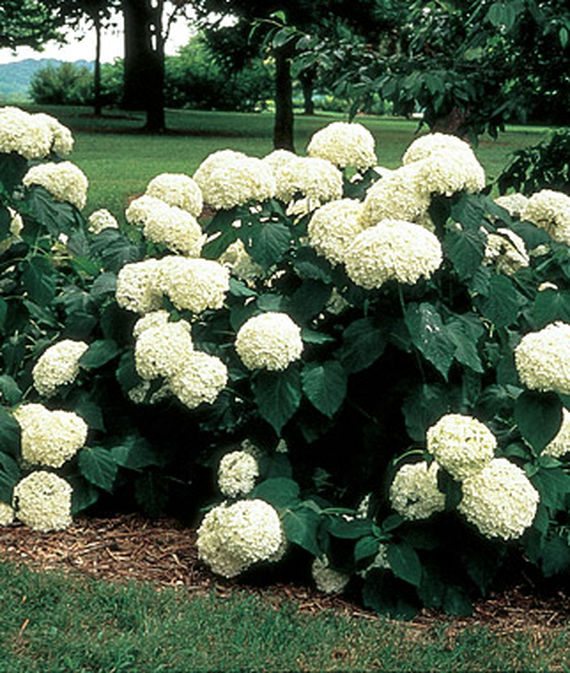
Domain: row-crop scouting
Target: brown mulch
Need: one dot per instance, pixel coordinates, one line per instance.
(131, 547)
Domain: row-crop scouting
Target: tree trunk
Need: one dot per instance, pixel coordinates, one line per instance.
(307, 79)
(98, 108)
(453, 123)
(283, 128)
(155, 120)
(138, 54)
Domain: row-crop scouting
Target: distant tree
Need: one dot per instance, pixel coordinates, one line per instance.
(65, 84)
(28, 23)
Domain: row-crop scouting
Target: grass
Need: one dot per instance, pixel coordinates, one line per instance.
(119, 161)
(53, 623)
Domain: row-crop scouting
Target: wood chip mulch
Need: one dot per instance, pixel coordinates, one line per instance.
(163, 552)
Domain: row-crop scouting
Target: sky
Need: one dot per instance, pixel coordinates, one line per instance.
(77, 49)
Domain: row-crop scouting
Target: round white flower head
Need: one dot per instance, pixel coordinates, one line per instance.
(176, 229)
(560, 445)
(326, 579)
(542, 359)
(344, 144)
(414, 493)
(392, 250)
(316, 179)
(21, 133)
(434, 143)
(550, 211)
(144, 207)
(462, 445)
(507, 251)
(58, 366)
(101, 219)
(215, 161)
(154, 319)
(49, 438)
(333, 227)
(241, 263)
(62, 138)
(179, 190)
(514, 204)
(235, 181)
(161, 351)
(278, 158)
(397, 196)
(6, 514)
(64, 181)
(499, 501)
(200, 379)
(269, 341)
(233, 537)
(194, 284)
(237, 473)
(447, 174)
(42, 501)
(137, 287)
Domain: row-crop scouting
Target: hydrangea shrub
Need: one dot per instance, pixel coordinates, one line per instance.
(363, 370)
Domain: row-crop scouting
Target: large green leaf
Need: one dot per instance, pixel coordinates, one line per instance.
(363, 343)
(115, 250)
(10, 475)
(301, 525)
(503, 303)
(279, 492)
(135, 453)
(9, 433)
(465, 249)
(324, 384)
(469, 210)
(549, 306)
(83, 495)
(98, 466)
(308, 300)
(38, 279)
(9, 390)
(553, 485)
(538, 416)
(429, 336)
(99, 353)
(268, 242)
(56, 216)
(13, 167)
(425, 405)
(404, 562)
(555, 556)
(277, 395)
(465, 334)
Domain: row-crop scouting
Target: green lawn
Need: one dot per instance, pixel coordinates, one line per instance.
(51, 623)
(119, 161)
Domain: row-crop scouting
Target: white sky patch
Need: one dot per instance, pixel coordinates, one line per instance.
(81, 45)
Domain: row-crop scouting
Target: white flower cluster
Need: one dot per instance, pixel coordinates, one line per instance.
(171, 226)
(507, 251)
(333, 228)
(326, 579)
(42, 501)
(6, 514)
(49, 438)
(462, 445)
(241, 263)
(499, 500)
(137, 287)
(237, 473)
(398, 196)
(229, 179)
(278, 158)
(269, 341)
(193, 284)
(446, 164)
(542, 359)
(414, 493)
(560, 445)
(177, 189)
(514, 204)
(33, 136)
(101, 219)
(234, 537)
(154, 319)
(160, 350)
(200, 379)
(317, 180)
(64, 181)
(344, 144)
(550, 211)
(392, 250)
(58, 366)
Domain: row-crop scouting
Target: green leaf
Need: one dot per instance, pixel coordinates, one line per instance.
(10, 433)
(308, 300)
(324, 384)
(503, 303)
(135, 453)
(104, 284)
(115, 250)
(127, 372)
(39, 280)
(465, 249)
(549, 306)
(268, 243)
(10, 390)
(348, 530)
(405, 562)
(83, 495)
(98, 466)
(367, 547)
(99, 353)
(10, 475)
(456, 602)
(469, 210)
(553, 485)
(383, 593)
(465, 334)
(277, 395)
(13, 167)
(239, 289)
(429, 336)
(363, 344)
(538, 416)
(555, 556)
(216, 246)
(301, 525)
(89, 410)
(312, 337)
(56, 216)
(279, 492)
(308, 264)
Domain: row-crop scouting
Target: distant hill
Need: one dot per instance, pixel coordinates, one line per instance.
(15, 77)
